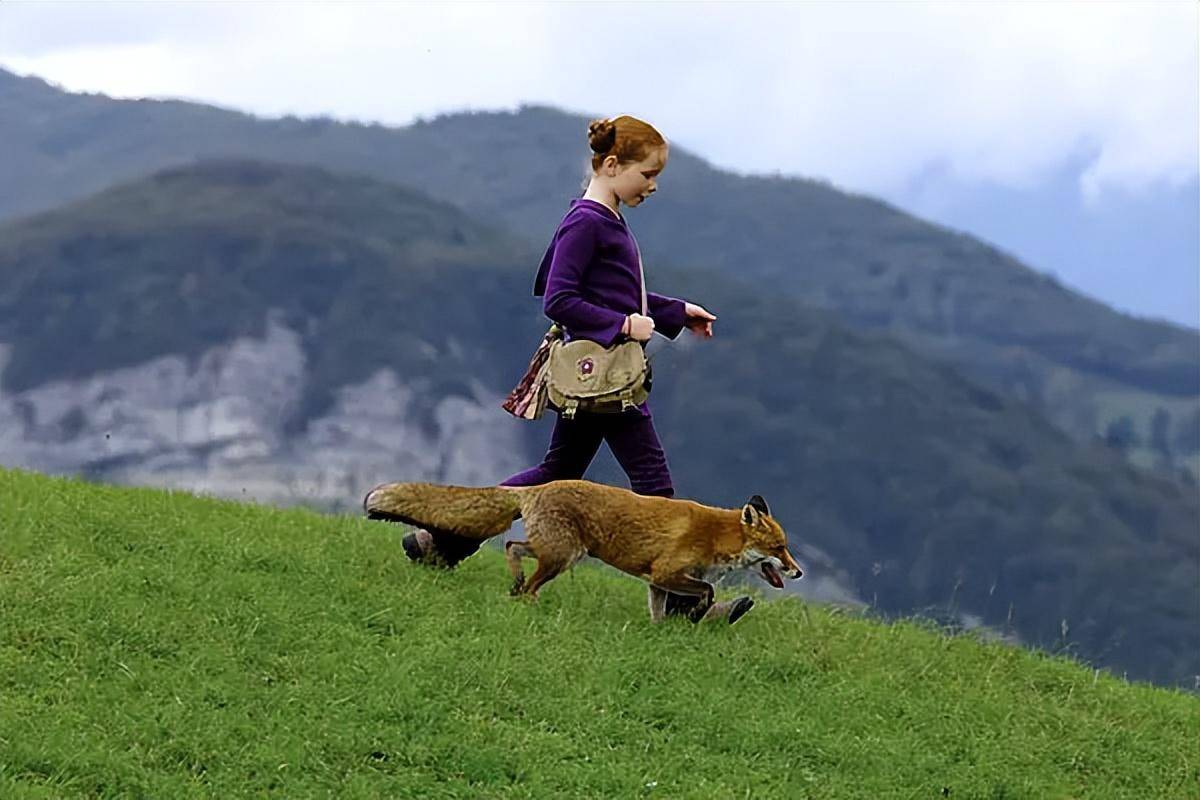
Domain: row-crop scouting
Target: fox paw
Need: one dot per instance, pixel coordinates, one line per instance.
(517, 587)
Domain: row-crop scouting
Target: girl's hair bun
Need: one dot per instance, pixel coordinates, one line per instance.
(602, 135)
(628, 138)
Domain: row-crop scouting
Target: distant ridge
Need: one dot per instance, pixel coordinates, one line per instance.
(1095, 372)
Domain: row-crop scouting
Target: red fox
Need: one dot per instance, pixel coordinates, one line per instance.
(671, 544)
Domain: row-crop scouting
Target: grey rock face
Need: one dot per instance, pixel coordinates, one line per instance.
(216, 427)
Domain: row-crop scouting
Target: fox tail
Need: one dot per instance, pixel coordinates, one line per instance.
(474, 513)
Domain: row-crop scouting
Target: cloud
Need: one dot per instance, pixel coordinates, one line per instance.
(870, 96)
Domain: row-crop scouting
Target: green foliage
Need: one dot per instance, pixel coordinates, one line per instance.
(197, 256)
(156, 644)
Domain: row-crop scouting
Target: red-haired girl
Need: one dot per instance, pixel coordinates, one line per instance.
(590, 278)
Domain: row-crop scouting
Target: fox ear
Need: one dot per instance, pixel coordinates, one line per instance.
(760, 504)
(749, 514)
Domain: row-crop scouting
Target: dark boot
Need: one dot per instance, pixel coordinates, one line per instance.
(683, 605)
(737, 608)
(436, 548)
(690, 607)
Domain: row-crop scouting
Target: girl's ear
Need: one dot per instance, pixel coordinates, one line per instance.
(610, 165)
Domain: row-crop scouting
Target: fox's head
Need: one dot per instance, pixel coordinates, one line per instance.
(766, 544)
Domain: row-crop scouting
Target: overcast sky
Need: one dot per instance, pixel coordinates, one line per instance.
(872, 96)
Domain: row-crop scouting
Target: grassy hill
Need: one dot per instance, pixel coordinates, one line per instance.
(1091, 370)
(160, 644)
(933, 493)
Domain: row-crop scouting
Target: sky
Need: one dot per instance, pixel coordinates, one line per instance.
(970, 114)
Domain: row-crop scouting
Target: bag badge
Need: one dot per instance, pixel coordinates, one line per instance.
(586, 367)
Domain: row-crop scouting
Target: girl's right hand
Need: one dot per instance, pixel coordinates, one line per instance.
(641, 327)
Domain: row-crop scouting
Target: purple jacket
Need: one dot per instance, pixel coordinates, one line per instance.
(589, 278)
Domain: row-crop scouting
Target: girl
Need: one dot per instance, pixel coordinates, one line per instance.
(590, 280)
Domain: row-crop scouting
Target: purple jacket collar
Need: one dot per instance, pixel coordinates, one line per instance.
(598, 210)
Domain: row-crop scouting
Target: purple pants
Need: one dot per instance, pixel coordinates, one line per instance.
(575, 442)
(573, 445)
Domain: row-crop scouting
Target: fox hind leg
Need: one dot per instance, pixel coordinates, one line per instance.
(657, 599)
(547, 570)
(513, 553)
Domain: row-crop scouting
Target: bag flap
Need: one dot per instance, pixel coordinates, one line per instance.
(583, 369)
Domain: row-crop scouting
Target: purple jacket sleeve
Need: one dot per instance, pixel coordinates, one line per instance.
(564, 301)
(667, 312)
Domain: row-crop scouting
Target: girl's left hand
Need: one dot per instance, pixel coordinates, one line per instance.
(699, 321)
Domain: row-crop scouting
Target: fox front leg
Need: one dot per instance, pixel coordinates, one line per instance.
(657, 599)
(664, 604)
(690, 587)
(729, 611)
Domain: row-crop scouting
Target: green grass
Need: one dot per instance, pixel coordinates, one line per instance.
(157, 644)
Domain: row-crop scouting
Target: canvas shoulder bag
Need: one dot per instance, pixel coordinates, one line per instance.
(586, 376)
(582, 375)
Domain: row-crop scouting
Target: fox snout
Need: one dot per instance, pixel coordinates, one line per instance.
(774, 569)
(790, 567)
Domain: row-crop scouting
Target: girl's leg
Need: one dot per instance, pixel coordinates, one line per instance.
(573, 445)
(634, 443)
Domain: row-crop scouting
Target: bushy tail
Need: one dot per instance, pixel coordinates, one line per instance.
(476, 513)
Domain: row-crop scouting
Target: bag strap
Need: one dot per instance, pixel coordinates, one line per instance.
(642, 278)
(641, 272)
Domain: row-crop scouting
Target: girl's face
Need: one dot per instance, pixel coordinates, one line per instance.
(633, 183)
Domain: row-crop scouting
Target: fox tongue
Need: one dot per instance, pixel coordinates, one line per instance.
(772, 575)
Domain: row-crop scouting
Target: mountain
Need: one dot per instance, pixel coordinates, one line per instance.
(194, 256)
(1096, 373)
(221, 327)
(1137, 248)
(240, 321)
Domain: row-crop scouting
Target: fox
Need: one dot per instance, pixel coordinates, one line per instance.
(669, 543)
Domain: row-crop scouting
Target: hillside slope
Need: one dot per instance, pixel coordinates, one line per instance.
(929, 491)
(1091, 370)
(160, 644)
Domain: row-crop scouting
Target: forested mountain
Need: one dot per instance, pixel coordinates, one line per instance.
(934, 494)
(1094, 372)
